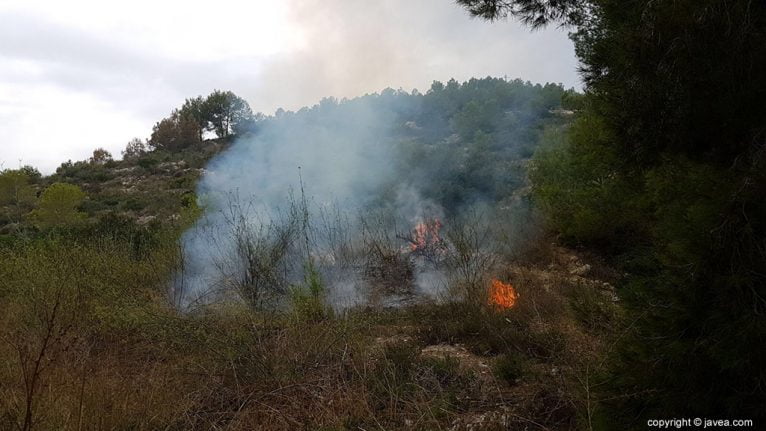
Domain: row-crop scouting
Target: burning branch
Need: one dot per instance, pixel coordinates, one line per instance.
(426, 239)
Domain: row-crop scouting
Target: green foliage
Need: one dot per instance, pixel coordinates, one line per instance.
(477, 133)
(666, 166)
(100, 156)
(509, 367)
(134, 149)
(223, 112)
(595, 309)
(578, 182)
(134, 205)
(58, 206)
(83, 171)
(15, 187)
(535, 13)
(90, 277)
(17, 193)
(148, 161)
(227, 113)
(61, 296)
(175, 132)
(195, 108)
(308, 300)
(32, 173)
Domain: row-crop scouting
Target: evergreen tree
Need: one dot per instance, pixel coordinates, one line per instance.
(227, 113)
(134, 149)
(675, 91)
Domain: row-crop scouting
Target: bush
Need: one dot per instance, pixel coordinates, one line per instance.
(58, 206)
(593, 308)
(308, 299)
(134, 204)
(64, 299)
(509, 367)
(149, 161)
(577, 182)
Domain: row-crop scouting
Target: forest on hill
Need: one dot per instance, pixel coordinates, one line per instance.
(491, 254)
(92, 255)
(460, 142)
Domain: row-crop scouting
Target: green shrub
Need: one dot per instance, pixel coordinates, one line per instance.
(148, 161)
(577, 182)
(308, 299)
(509, 367)
(134, 204)
(58, 206)
(595, 309)
(446, 371)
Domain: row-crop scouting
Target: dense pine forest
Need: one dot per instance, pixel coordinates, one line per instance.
(488, 254)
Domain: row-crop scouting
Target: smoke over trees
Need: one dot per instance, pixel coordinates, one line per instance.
(410, 154)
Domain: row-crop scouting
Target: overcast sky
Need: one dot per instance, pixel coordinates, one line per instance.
(80, 74)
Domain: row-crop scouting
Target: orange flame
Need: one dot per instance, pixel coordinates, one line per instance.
(426, 234)
(502, 295)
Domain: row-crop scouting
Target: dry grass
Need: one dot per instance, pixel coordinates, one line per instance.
(120, 357)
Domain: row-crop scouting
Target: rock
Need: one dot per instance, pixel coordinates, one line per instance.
(580, 270)
(145, 219)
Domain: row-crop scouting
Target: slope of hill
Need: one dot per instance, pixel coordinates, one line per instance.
(92, 336)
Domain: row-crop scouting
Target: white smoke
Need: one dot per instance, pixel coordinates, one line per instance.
(336, 158)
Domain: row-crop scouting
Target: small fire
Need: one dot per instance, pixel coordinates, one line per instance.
(426, 235)
(502, 295)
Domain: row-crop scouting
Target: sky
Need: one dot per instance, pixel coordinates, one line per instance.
(82, 74)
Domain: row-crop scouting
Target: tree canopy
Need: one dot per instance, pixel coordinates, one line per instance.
(665, 169)
(100, 156)
(226, 113)
(134, 149)
(222, 112)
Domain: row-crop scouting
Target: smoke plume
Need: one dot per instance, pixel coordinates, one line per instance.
(304, 188)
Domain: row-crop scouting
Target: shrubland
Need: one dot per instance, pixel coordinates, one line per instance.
(91, 339)
(93, 336)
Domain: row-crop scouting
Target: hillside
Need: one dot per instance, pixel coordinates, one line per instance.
(490, 254)
(96, 332)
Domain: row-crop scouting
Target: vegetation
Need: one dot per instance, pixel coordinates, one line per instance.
(222, 112)
(663, 170)
(92, 339)
(475, 136)
(460, 143)
(17, 194)
(655, 175)
(58, 206)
